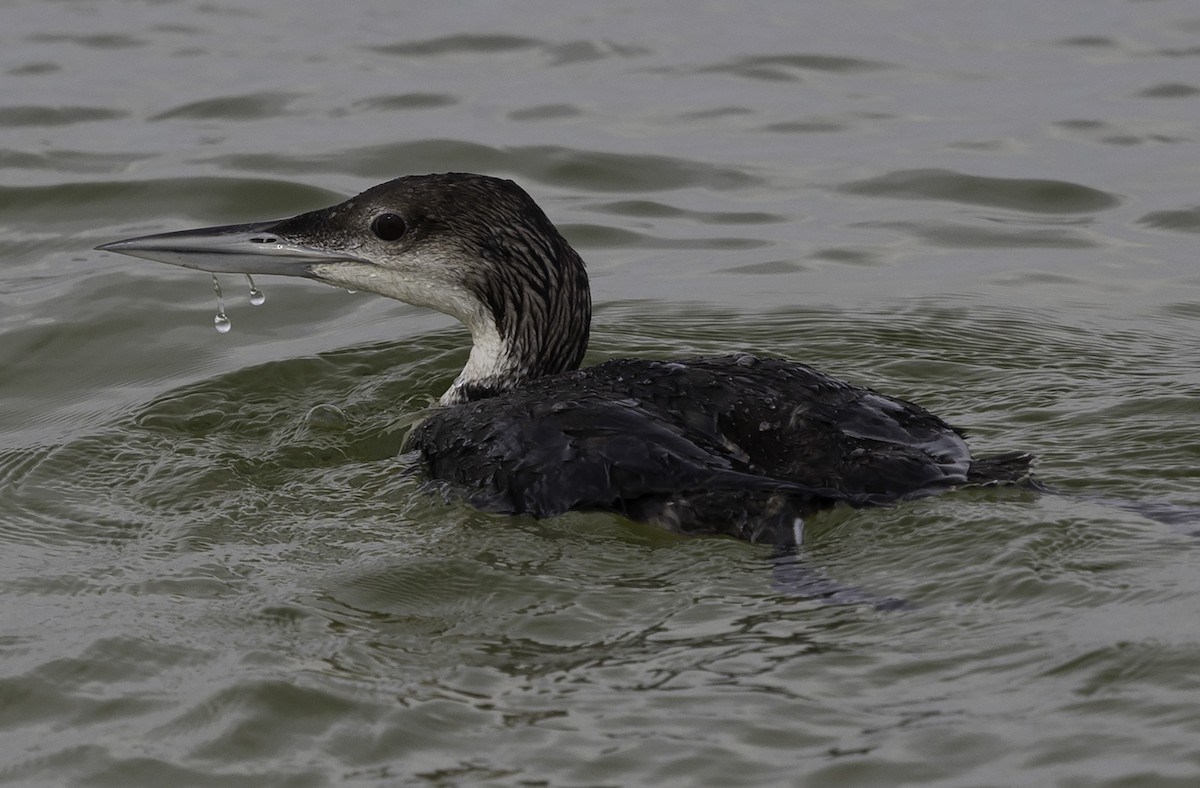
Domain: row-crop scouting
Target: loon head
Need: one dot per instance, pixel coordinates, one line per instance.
(474, 247)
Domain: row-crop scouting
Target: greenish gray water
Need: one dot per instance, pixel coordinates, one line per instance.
(210, 577)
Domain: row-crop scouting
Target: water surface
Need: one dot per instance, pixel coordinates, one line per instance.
(218, 570)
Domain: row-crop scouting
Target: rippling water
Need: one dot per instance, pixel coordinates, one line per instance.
(217, 570)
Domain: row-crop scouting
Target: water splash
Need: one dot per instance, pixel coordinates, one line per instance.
(256, 296)
(221, 321)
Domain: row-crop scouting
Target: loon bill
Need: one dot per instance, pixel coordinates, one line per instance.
(734, 445)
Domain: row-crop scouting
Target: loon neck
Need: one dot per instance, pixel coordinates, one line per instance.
(531, 317)
(494, 366)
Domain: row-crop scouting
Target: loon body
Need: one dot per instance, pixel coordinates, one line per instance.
(733, 445)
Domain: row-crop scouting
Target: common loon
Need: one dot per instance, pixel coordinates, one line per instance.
(734, 445)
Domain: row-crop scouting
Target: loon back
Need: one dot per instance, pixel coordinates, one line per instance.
(735, 445)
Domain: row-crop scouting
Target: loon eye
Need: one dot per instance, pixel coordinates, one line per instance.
(388, 226)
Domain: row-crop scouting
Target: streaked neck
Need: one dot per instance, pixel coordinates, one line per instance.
(535, 322)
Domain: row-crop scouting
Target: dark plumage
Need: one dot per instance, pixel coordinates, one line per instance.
(734, 445)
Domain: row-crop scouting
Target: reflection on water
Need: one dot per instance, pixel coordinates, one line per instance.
(218, 569)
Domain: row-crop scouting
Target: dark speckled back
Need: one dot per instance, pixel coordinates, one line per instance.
(736, 445)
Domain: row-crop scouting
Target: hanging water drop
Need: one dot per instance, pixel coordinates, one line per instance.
(221, 321)
(256, 296)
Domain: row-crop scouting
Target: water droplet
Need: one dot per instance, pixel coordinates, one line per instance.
(221, 321)
(256, 296)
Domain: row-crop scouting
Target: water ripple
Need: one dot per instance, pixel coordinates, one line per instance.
(1035, 195)
(68, 161)
(90, 41)
(1169, 90)
(965, 236)
(791, 67)
(1184, 220)
(653, 209)
(250, 106)
(457, 44)
(558, 53)
(404, 101)
(35, 115)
